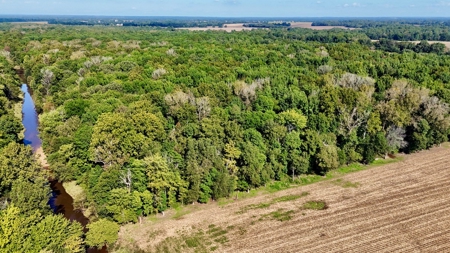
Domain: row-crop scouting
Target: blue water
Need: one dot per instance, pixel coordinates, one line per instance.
(30, 120)
(60, 201)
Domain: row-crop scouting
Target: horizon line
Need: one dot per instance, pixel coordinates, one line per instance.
(177, 16)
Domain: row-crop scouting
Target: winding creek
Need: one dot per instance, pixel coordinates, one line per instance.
(60, 201)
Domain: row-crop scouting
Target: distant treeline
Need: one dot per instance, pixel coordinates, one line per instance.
(403, 46)
(407, 30)
(368, 23)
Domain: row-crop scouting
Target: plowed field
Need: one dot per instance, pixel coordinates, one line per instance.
(400, 207)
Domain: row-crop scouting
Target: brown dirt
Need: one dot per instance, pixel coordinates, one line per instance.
(228, 28)
(401, 207)
(309, 26)
(31, 22)
(240, 27)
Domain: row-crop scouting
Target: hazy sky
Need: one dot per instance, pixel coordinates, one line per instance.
(232, 8)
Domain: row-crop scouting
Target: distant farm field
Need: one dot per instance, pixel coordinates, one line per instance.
(309, 25)
(400, 207)
(241, 27)
(227, 28)
(31, 22)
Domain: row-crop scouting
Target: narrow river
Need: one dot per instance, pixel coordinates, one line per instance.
(60, 202)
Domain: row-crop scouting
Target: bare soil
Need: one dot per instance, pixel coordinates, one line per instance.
(240, 27)
(400, 207)
(309, 26)
(41, 157)
(31, 22)
(228, 28)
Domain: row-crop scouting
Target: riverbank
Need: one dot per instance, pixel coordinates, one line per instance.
(60, 202)
(41, 157)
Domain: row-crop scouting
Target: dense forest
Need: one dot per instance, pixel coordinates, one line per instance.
(145, 120)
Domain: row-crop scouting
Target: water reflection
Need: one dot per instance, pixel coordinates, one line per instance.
(30, 120)
(60, 201)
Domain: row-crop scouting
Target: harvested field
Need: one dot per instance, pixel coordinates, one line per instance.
(228, 28)
(400, 207)
(31, 22)
(240, 27)
(309, 26)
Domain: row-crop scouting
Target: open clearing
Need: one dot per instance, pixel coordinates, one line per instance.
(241, 27)
(399, 207)
(31, 22)
(227, 28)
(309, 26)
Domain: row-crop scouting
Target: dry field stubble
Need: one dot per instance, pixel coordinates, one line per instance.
(309, 25)
(400, 207)
(241, 27)
(227, 28)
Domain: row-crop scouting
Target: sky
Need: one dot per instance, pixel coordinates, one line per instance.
(232, 8)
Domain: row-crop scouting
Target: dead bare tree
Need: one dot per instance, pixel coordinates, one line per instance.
(395, 138)
(203, 107)
(247, 92)
(47, 79)
(158, 73)
(351, 119)
(324, 69)
(436, 111)
(171, 52)
(126, 179)
(353, 81)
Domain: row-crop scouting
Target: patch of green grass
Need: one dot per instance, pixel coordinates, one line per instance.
(277, 186)
(381, 162)
(290, 197)
(315, 205)
(261, 205)
(170, 244)
(219, 233)
(350, 168)
(192, 242)
(221, 240)
(268, 204)
(180, 213)
(186, 241)
(345, 184)
(216, 232)
(279, 215)
(252, 207)
(213, 248)
(152, 218)
(224, 201)
(308, 179)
